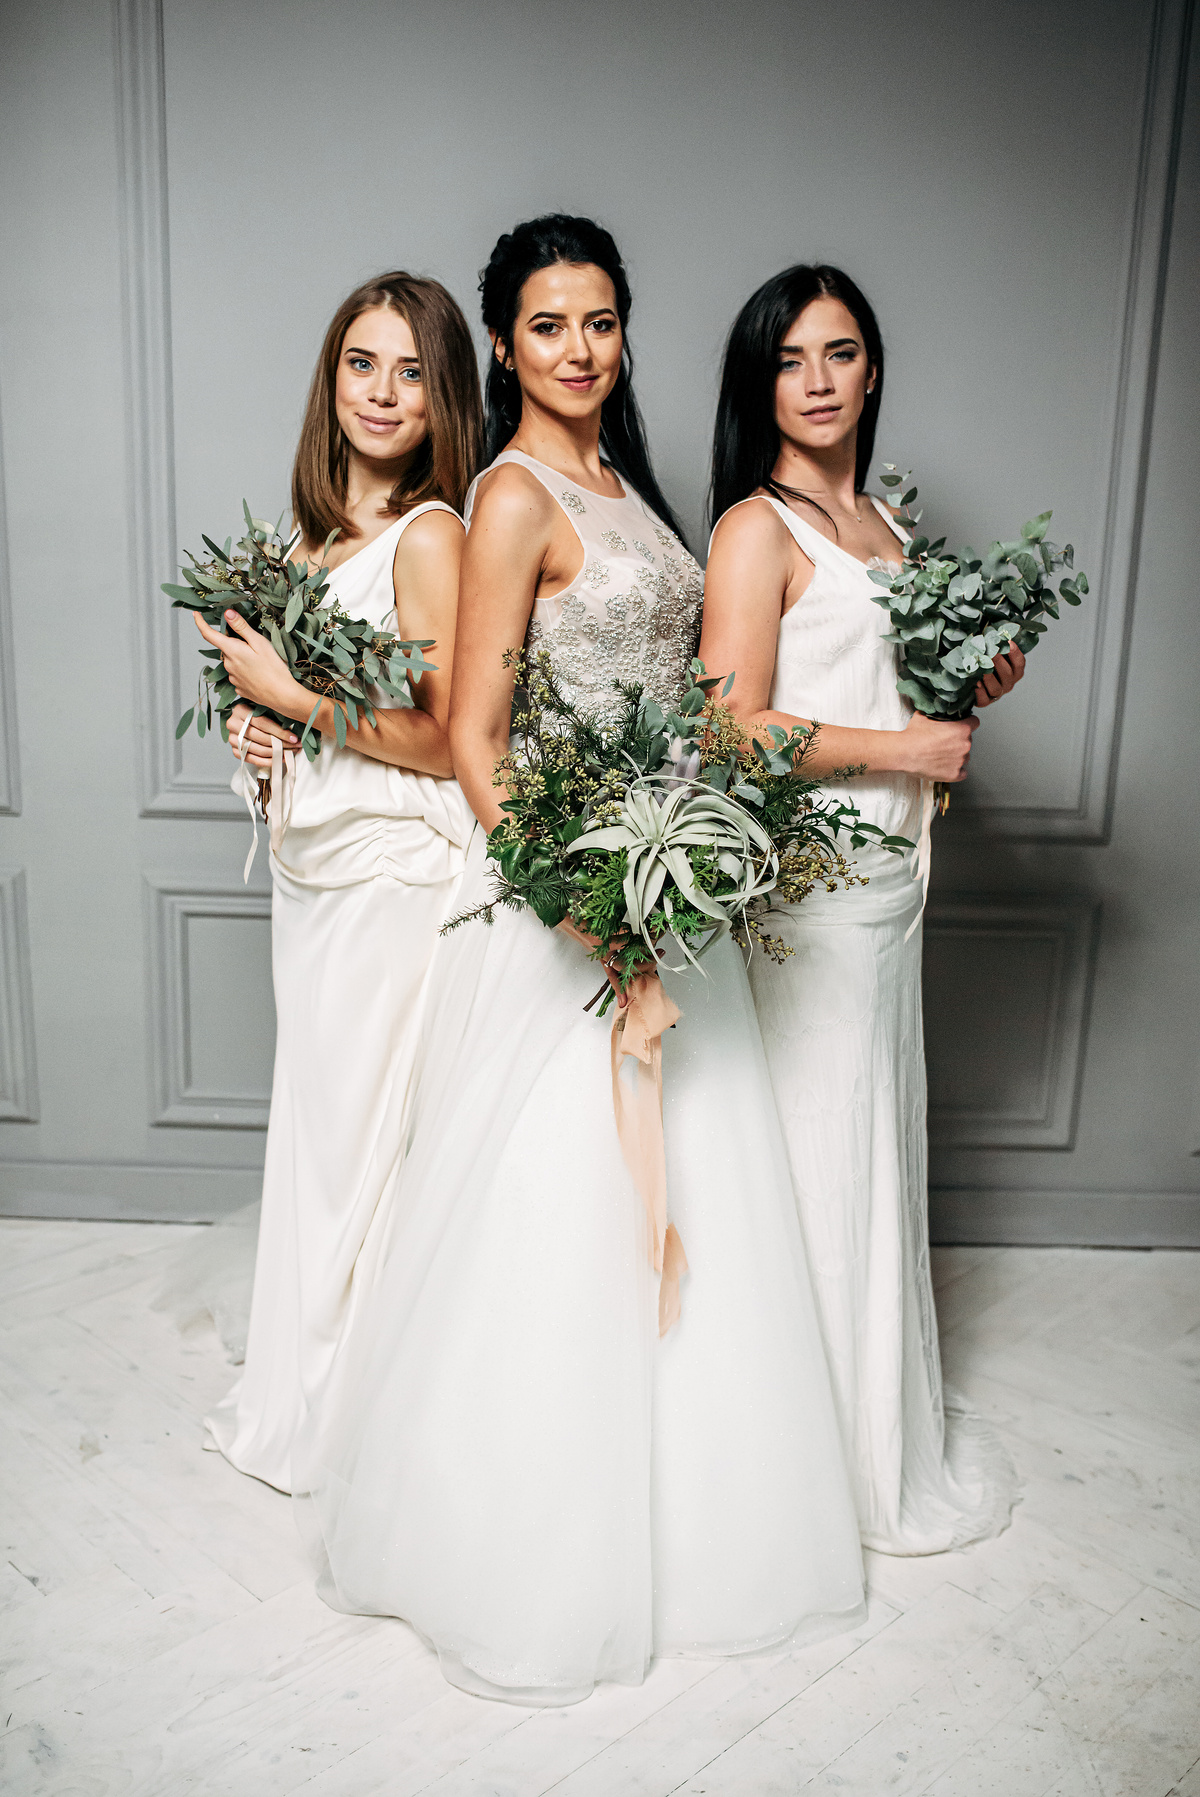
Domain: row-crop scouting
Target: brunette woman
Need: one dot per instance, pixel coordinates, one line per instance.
(506, 1453)
(789, 606)
(373, 847)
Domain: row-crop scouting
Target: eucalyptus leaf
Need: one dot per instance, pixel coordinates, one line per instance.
(326, 650)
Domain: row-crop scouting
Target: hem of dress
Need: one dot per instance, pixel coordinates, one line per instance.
(215, 1443)
(803, 1634)
(974, 1459)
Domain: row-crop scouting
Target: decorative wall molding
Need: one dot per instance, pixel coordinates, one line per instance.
(1135, 367)
(1006, 931)
(176, 1099)
(18, 1059)
(125, 1191)
(165, 790)
(10, 767)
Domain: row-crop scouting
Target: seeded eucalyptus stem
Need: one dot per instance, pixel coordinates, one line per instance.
(953, 613)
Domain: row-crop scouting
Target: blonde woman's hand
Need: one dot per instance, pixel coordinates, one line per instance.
(256, 746)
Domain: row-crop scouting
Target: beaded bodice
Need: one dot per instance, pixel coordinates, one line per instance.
(632, 613)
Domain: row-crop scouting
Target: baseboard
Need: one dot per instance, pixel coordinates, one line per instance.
(981, 1215)
(125, 1192)
(957, 1215)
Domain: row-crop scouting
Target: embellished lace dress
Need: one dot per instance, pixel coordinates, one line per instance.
(841, 1022)
(506, 1454)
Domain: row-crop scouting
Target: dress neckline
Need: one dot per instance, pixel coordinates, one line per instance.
(613, 498)
(367, 547)
(829, 543)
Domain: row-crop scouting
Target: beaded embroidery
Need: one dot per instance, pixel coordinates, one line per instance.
(614, 541)
(573, 503)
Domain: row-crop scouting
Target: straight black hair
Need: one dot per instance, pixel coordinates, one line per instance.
(746, 441)
(539, 243)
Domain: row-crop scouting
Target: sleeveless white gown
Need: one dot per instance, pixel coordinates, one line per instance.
(505, 1453)
(842, 1027)
(368, 868)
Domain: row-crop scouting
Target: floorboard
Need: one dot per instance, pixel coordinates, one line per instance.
(159, 1633)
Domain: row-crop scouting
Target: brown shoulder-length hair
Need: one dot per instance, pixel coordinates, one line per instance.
(447, 460)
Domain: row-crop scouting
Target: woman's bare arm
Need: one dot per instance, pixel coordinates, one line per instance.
(755, 572)
(506, 551)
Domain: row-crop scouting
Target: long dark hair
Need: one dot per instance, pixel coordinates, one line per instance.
(539, 243)
(746, 441)
(449, 456)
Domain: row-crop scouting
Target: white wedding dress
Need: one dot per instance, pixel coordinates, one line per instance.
(367, 869)
(841, 1023)
(505, 1453)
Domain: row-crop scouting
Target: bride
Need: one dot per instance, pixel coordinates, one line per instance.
(505, 1453)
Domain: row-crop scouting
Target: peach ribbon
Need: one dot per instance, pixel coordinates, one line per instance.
(637, 1031)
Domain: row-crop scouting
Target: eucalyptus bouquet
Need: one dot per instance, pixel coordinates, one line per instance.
(953, 614)
(658, 824)
(335, 656)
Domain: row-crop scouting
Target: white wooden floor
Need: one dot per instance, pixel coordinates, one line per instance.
(161, 1635)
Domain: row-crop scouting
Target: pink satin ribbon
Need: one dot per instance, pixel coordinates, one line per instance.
(637, 1031)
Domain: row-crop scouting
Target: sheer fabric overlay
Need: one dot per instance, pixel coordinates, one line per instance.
(504, 1453)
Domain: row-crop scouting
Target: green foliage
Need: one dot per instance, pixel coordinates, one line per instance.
(337, 657)
(658, 823)
(953, 614)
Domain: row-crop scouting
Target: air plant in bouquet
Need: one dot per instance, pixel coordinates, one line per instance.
(335, 656)
(658, 825)
(953, 613)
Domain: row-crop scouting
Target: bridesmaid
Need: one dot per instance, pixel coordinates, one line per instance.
(788, 604)
(373, 848)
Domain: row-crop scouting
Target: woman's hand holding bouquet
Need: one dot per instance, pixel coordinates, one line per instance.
(659, 826)
(963, 622)
(273, 634)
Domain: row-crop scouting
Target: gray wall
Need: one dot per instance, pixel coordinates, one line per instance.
(197, 183)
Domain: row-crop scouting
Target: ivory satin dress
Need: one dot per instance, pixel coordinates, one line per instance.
(367, 870)
(506, 1454)
(842, 1027)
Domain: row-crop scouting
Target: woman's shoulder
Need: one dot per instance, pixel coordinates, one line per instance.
(430, 537)
(751, 524)
(510, 494)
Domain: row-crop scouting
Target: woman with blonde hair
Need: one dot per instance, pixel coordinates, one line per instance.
(373, 832)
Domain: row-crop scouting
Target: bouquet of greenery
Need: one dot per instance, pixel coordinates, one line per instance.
(658, 824)
(335, 656)
(952, 614)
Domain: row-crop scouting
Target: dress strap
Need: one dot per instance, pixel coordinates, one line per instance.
(885, 512)
(426, 505)
(807, 538)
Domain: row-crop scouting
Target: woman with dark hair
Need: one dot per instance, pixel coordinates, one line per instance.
(368, 850)
(789, 606)
(506, 1454)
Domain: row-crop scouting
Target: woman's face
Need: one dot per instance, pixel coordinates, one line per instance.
(567, 339)
(379, 398)
(823, 378)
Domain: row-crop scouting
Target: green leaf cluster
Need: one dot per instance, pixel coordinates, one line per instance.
(336, 657)
(657, 822)
(953, 613)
